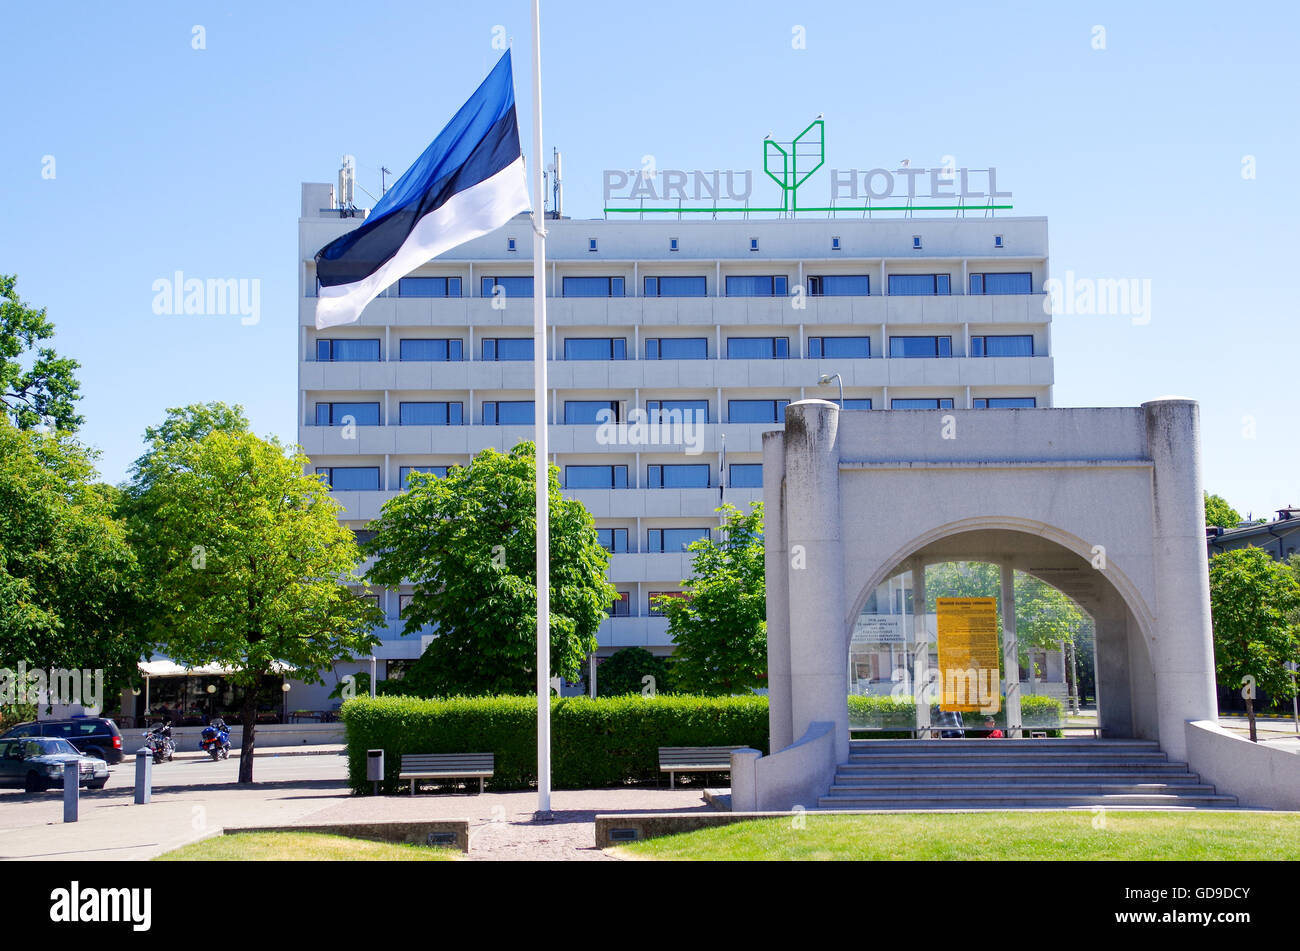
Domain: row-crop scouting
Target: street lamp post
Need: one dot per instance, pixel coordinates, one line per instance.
(826, 378)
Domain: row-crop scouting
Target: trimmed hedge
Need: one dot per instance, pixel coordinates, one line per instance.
(608, 741)
(884, 712)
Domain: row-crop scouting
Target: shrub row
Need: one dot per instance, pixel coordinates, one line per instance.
(608, 741)
(890, 717)
(594, 743)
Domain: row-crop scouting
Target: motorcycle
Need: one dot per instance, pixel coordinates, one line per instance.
(215, 740)
(160, 743)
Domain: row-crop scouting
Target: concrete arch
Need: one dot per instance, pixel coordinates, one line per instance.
(852, 497)
(896, 562)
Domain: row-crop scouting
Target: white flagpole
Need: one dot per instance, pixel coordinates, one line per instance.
(543, 462)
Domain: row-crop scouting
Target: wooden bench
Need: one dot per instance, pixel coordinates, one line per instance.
(694, 759)
(447, 766)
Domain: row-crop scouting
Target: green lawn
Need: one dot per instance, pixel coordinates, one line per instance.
(991, 835)
(302, 847)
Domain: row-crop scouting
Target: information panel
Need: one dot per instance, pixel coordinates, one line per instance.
(968, 654)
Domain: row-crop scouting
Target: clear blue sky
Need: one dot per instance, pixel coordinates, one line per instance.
(170, 158)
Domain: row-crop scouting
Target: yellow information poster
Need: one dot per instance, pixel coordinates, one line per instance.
(968, 654)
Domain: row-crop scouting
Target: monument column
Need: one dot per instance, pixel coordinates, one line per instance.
(815, 571)
(1182, 642)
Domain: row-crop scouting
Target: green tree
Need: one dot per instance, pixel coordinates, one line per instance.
(720, 623)
(1254, 602)
(68, 579)
(623, 672)
(467, 544)
(251, 564)
(35, 388)
(192, 423)
(1219, 512)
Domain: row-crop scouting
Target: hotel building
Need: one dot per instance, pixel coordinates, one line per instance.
(723, 321)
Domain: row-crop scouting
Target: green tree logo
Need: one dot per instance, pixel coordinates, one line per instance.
(782, 166)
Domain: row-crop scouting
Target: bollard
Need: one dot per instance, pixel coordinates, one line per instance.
(143, 775)
(71, 788)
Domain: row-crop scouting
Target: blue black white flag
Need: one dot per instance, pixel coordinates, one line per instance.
(468, 182)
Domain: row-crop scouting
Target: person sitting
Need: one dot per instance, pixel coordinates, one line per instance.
(991, 726)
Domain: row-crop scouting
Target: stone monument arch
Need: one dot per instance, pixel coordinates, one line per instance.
(1105, 504)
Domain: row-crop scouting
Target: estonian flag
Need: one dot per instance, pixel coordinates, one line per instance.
(468, 182)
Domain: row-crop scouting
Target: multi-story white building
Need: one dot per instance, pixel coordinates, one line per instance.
(722, 320)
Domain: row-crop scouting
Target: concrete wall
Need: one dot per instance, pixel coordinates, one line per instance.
(1256, 774)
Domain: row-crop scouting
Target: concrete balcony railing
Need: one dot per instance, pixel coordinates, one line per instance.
(696, 311)
(322, 441)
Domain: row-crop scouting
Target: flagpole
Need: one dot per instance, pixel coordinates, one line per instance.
(543, 463)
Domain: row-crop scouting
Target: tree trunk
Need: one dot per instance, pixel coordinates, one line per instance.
(1250, 715)
(249, 716)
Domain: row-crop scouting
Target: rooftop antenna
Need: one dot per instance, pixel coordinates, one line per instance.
(383, 182)
(557, 186)
(347, 181)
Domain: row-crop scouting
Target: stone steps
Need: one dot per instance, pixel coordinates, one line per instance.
(1016, 774)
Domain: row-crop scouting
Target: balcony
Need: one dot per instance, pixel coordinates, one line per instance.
(478, 312)
(632, 632)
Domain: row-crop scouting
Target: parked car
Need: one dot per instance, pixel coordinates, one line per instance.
(94, 736)
(36, 763)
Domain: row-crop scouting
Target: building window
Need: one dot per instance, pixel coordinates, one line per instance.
(677, 477)
(919, 285)
(673, 539)
(336, 414)
(753, 244)
(510, 286)
(595, 348)
(672, 244)
(1004, 402)
(590, 412)
(849, 348)
(1017, 282)
(1009, 345)
(508, 413)
(591, 244)
(510, 244)
(676, 287)
(677, 348)
(592, 286)
(997, 241)
(431, 351)
(745, 475)
(758, 348)
(756, 411)
(916, 242)
(622, 606)
(835, 244)
(857, 404)
(839, 285)
(428, 287)
(943, 403)
(430, 414)
(404, 472)
(507, 348)
(613, 540)
(655, 610)
(347, 351)
(350, 478)
(595, 477)
(920, 346)
(756, 285)
(677, 411)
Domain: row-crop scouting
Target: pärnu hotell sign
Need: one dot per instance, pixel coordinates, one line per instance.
(946, 187)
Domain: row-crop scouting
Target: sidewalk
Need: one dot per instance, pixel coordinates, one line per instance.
(259, 752)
